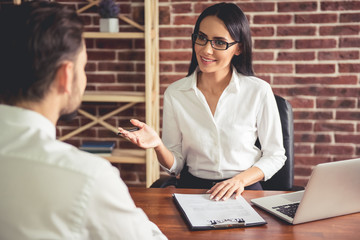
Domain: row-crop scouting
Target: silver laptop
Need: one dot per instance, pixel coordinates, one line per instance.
(333, 190)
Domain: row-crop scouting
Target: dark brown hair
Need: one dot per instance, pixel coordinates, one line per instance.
(239, 29)
(36, 37)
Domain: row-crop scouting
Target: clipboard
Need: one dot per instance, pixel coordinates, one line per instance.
(201, 213)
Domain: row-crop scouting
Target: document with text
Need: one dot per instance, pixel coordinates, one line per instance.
(201, 213)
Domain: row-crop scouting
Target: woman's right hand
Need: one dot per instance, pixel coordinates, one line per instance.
(145, 137)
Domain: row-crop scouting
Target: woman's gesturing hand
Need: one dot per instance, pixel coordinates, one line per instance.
(145, 137)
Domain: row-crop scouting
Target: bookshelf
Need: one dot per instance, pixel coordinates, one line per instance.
(123, 35)
(150, 33)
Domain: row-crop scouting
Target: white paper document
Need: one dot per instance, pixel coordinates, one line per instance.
(203, 213)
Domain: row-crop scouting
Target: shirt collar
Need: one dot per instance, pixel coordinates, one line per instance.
(234, 84)
(191, 81)
(18, 116)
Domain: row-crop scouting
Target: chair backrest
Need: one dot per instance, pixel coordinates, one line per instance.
(284, 178)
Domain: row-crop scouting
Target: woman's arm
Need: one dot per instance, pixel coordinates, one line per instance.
(270, 136)
(164, 156)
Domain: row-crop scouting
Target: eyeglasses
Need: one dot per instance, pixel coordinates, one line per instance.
(201, 40)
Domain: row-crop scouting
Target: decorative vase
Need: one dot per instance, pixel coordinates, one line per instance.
(109, 25)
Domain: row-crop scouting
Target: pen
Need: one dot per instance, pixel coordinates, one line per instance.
(227, 225)
(129, 130)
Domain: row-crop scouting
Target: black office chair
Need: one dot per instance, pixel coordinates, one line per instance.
(283, 180)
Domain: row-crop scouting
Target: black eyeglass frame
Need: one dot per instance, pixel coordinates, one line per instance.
(195, 35)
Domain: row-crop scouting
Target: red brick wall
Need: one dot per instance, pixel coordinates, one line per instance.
(307, 50)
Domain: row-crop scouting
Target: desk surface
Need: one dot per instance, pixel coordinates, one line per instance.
(158, 204)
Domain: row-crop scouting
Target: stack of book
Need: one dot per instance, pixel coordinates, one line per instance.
(103, 148)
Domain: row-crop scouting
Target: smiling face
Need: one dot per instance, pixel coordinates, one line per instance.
(209, 59)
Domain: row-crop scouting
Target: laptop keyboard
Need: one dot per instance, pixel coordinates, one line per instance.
(288, 209)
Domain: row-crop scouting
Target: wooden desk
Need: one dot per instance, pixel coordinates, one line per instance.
(161, 209)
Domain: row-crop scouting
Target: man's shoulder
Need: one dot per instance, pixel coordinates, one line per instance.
(79, 161)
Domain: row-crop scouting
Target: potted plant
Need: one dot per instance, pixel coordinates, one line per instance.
(108, 12)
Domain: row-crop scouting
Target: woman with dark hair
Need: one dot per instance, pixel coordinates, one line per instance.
(238, 28)
(213, 117)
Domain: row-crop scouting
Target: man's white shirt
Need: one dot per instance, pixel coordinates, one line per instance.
(52, 190)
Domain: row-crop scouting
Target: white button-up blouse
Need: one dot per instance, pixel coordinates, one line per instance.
(222, 145)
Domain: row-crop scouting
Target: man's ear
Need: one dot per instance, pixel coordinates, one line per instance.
(65, 77)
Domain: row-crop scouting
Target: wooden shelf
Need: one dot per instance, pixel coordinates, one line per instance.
(132, 156)
(150, 95)
(120, 35)
(107, 96)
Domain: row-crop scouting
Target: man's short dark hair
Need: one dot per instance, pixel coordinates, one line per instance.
(36, 37)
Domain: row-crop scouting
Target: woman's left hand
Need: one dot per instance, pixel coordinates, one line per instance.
(235, 185)
(225, 189)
